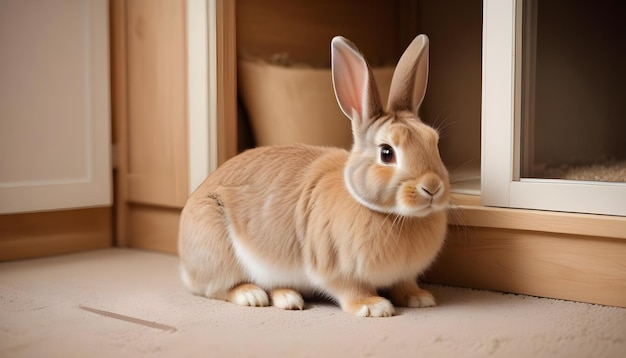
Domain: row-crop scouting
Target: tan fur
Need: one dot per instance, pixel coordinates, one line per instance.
(313, 219)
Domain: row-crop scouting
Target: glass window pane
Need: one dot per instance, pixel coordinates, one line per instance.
(573, 108)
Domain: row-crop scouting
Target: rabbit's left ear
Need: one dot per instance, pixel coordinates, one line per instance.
(354, 83)
(408, 85)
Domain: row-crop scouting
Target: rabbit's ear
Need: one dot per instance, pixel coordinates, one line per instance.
(408, 85)
(355, 88)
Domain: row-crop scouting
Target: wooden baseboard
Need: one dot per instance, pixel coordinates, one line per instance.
(153, 228)
(55, 232)
(565, 266)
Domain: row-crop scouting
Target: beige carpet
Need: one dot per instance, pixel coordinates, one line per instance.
(126, 303)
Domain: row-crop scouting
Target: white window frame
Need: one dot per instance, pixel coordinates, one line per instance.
(202, 89)
(501, 185)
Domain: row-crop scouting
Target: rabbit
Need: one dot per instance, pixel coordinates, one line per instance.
(275, 223)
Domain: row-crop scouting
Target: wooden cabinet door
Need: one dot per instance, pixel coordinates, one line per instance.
(54, 105)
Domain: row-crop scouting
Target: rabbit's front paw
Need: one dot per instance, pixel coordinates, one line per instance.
(287, 299)
(369, 307)
(409, 294)
(248, 295)
(421, 299)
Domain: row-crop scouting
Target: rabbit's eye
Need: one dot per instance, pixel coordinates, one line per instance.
(387, 154)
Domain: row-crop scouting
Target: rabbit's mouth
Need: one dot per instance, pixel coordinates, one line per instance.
(422, 197)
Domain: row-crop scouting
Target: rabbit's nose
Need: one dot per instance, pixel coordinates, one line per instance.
(430, 186)
(430, 191)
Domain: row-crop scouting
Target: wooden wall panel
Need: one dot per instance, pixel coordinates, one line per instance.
(453, 98)
(303, 29)
(226, 96)
(119, 112)
(153, 228)
(54, 233)
(149, 81)
(571, 267)
(156, 102)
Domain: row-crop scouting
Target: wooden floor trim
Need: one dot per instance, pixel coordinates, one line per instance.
(55, 232)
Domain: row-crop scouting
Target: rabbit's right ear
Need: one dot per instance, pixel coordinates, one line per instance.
(408, 85)
(355, 88)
